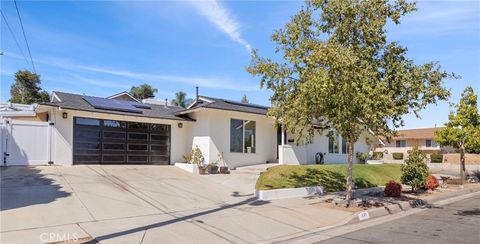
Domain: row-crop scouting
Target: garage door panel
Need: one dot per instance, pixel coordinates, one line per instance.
(119, 142)
(137, 136)
(92, 159)
(86, 133)
(159, 159)
(88, 145)
(157, 138)
(114, 146)
(137, 158)
(113, 158)
(114, 135)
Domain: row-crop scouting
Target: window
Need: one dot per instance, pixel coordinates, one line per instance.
(85, 121)
(333, 142)
(135, 125)
(242, 136)
(161, 129)
(431, 143)
(401, 143)
(114, 124)
(344, 146)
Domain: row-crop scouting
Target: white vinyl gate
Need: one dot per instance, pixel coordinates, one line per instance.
(25, 142)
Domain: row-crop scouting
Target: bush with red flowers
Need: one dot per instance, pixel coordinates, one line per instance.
(431, 183)
(392, 189)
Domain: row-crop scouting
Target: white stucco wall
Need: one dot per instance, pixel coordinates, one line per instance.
(292, 155)
(211, 133)
(320, 144)
(63, 133)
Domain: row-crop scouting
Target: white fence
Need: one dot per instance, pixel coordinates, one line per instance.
(25, 142)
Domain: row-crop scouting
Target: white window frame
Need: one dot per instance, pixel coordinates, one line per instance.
(243, 136)
(400, 142)
(335, 134)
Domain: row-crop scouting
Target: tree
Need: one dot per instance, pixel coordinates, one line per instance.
(415, 169)
(181, 100)
(143, 91)
(26, 89)
(340, 72)
(245, 99)
(462, 130)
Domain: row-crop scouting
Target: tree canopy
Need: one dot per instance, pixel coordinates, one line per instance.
(245, 99)
(340, 72)
(463, 123)
(26, 89)
(143, 91)
(181, 100)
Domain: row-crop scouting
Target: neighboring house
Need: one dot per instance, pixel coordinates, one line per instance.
(407, 139)
(80, 129)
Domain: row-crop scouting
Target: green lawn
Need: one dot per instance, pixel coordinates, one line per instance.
(332, 177)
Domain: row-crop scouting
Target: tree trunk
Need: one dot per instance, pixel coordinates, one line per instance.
(462, 162)
(349, 195)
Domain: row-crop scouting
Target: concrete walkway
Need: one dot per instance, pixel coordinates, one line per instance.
(146, 204)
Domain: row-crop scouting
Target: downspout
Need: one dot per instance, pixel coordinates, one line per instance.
(51, 124)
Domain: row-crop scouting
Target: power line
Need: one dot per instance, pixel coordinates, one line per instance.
(24, 36)
(14, 37)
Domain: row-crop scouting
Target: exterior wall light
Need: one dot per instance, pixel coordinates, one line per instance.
(64, 115)
(180, 125)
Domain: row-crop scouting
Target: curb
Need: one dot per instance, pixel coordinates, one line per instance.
(288, 193)
(405, 206)
(375, 216)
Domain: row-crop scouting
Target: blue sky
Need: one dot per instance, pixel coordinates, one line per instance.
(102, 48)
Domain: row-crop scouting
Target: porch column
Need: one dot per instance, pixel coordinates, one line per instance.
(283, 136)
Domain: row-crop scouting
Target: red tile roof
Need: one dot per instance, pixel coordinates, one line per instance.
(424, 133)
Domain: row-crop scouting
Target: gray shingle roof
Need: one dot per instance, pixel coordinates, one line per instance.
(224, 104)
(76, 102)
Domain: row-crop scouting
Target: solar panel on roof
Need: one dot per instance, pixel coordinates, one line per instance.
(110, 104)
(138, 105)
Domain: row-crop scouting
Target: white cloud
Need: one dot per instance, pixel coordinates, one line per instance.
(221, 17)
(209, 82)
(442, 17)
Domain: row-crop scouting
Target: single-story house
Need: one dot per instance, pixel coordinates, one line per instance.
(406, 139)
(81, 129)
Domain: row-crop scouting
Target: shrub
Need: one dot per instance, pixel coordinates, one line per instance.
(187, 157)
(431, 183)
(415, 169)
(436, 158)
(397, 156)
(197, 157)
(377, 155)
(392, 189)
(362, 156)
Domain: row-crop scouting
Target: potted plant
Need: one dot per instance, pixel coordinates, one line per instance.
(212, 168)
(197, 158)
(223, 168)
(202, 169)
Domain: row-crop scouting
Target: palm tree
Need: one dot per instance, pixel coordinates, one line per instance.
(181, 99)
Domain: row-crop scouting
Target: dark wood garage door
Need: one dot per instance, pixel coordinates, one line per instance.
(97, 141)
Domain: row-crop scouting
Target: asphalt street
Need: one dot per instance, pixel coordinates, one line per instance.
(458, 222)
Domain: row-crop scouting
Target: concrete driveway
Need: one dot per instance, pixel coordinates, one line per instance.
(146, 204)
